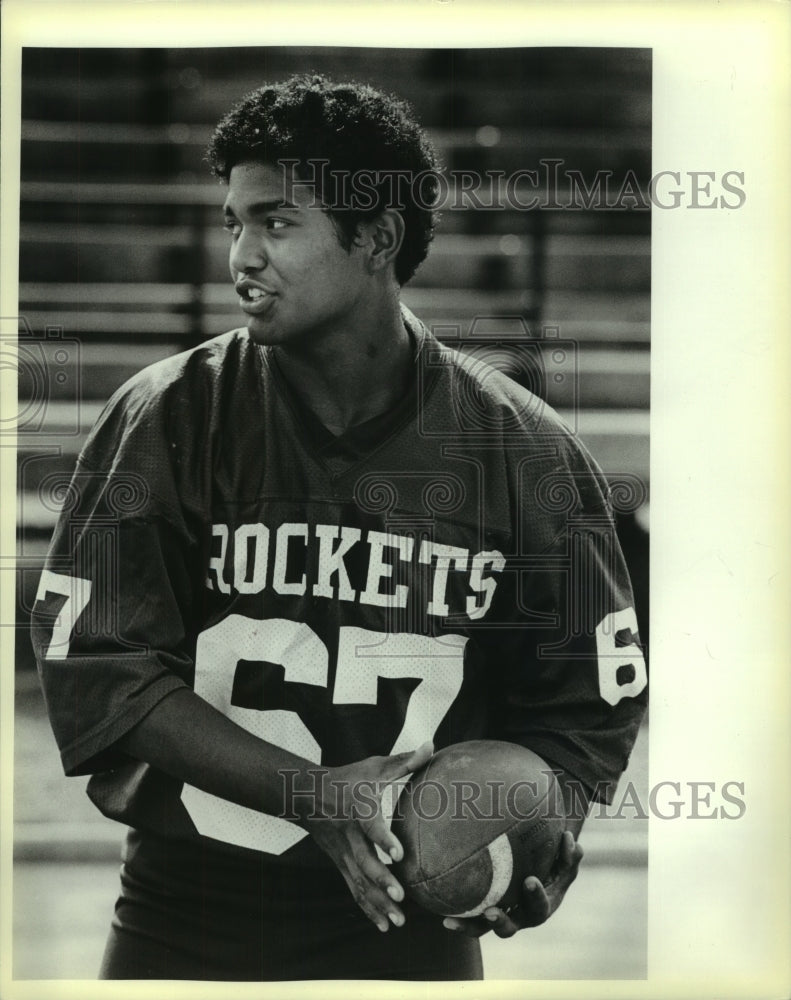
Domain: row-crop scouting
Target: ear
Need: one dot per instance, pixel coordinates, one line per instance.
(385, 235)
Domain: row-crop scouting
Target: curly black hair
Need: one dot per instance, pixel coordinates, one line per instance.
(362, 134)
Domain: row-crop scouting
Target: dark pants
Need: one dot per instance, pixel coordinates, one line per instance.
(189, 913)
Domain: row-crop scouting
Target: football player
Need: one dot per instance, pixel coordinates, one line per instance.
(296, 558)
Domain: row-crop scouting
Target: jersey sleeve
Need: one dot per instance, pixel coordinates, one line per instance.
(110, 622)
(576, 684)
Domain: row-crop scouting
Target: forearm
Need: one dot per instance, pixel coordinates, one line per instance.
(188, 739)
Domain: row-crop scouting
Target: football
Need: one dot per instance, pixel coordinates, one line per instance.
(474, 823)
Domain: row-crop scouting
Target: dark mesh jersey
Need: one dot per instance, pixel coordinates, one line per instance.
(448, 570)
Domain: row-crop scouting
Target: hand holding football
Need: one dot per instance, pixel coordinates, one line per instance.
(477, 820)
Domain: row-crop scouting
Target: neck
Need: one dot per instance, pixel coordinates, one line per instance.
(355, 374)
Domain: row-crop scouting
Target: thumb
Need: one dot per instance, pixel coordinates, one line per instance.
(402, 764)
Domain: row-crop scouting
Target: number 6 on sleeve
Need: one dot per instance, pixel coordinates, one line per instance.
(611, 657)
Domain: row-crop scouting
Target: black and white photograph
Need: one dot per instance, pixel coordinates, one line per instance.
(335, 467)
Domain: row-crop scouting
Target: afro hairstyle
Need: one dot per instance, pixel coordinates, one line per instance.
(332, 134)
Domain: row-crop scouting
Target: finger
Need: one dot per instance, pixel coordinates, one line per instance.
(392, 769)
(377, 832)
(570, 853)
(474, 928)
(360, 893)
(566, 852)
(566, 868)
(501, 923)
(386, 891)
(535, 905)
(375, 904)
(382, 878)
(400, 764)
(421, 756)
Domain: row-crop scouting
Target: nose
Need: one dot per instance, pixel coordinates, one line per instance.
(246, 254)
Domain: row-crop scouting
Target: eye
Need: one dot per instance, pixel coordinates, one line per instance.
(232, 227)
(276, 224)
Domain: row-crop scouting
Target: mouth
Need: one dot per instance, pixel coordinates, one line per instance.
(254, 299)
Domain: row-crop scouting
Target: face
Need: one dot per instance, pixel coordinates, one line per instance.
(295, 281)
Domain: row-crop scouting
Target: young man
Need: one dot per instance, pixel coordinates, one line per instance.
(300, 555)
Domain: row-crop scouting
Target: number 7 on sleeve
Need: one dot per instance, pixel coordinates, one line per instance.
(77, 592)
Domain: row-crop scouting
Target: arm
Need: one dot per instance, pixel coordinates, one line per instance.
(575, 707)
(187, 738)
(120, 597)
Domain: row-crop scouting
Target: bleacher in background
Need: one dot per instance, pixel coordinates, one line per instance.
(122, 248)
